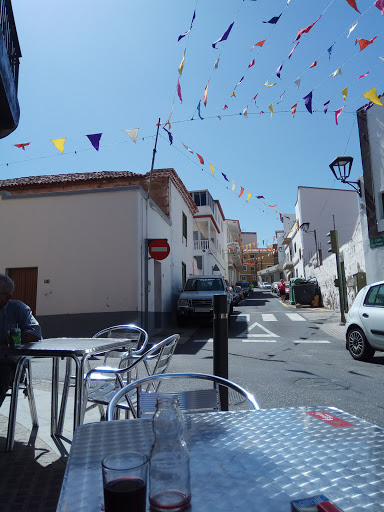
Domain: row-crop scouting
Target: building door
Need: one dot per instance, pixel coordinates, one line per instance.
(25, 280)
(158, 295)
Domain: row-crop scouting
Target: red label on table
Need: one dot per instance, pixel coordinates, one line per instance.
(330, 419)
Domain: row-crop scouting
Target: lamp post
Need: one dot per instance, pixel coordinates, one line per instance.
(341, 169)
(305, 227)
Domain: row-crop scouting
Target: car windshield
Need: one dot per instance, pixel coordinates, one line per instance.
(199, 285)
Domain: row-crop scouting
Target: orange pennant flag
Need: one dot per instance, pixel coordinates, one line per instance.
(260, 43)
(313, 64)
(363, 43)
(200, 158)
(241, 191)
(293, 110)
(206, 94)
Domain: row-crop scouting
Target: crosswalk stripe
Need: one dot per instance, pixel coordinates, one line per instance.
(251, 339)
(268, 317)
(295, 317)
(310, 341)
(258, 341)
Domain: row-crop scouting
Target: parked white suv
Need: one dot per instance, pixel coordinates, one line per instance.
(196, 299)
(365, 323)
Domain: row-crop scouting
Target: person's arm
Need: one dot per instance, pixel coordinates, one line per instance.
(29, 326)
(27, 337)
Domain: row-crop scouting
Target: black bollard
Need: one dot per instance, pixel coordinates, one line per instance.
(220, 344)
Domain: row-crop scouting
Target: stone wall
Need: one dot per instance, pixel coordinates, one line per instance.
(354, 261)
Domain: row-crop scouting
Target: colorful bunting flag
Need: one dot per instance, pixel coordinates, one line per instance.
(94, 139)
(337, 114)
(190, 28)
(380, 5)
(326, 106)
(238, 83)
(314, 64)
(216, 64)
(363, 43)
(352, 3)
(272, 206)
(281, 97)
(371, 95)
(225, 176)
(198, 110)
(169, 135)
(233, 185)
(23, 145)
(224, 37)
(344, 92)
(248, 196)
(233, 95)
(273, 20)
(206, 94)
(251, 63)
(335, 73)
(260, 43)
(186, 147)
(306, 29)
(245, 112)
(241, 191)
(293, 49)
(59, 144)
(381, 58)
(363, 76)
(367, 107)
(330, 51)
(293, 110)
(200, 158)
(271, 109)
(297, 82)
(269, 85)
(225, 107)
(260, 197)
(278, 71)
(352, 28)
(181, 67)
(254, 98)
(308, 102)
(178, 88)
(132, 133)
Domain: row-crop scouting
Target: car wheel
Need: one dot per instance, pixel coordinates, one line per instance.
(358, 346)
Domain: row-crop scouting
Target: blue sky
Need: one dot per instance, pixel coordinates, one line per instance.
(93, 66)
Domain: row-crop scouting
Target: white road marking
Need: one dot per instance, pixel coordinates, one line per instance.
(295, 317)
(310, 341)
(209, 340)
(267, 317)
(258, 341)
(269, 334)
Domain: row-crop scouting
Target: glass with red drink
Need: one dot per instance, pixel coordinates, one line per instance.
(125, 482)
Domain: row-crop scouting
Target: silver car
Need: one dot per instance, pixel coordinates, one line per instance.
(365, 323)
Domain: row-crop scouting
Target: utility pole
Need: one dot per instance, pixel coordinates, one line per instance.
(334, 243)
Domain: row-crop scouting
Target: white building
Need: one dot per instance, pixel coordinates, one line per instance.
(75, 246)
(209, 235)
(235, 262)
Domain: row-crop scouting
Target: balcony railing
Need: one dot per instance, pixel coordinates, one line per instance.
(8, 29)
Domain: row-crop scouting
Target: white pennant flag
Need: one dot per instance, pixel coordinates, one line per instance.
(245, 112)
(288, 1)
(216, 65)
(335, 73)
(297, 82)
(132, 133)
(352, 28)
(186, 147)
(233, 185)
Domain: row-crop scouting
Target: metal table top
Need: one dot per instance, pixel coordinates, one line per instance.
(247, 460)
(67, 347)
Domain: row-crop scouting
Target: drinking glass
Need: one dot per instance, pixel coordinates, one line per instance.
(125, 482)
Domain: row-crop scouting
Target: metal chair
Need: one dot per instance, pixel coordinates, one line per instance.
(200, 400)
(22, 380)
(154, 361)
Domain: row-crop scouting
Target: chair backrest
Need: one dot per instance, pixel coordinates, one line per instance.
(138, 335)
(190, 400)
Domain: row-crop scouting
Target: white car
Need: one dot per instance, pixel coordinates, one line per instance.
(365, 323)
(265, 286)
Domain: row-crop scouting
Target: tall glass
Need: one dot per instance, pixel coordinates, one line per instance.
(125, 482)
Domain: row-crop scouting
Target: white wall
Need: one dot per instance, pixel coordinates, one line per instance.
(375, 121)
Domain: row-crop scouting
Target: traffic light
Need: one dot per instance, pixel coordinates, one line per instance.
(333, 241)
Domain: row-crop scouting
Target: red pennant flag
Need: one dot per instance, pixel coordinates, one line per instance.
(260, 43)
(241, 191)
(293, 110)
(352, 3)
(306, 29)
(363, 43)
(22, 146)
(251, 64)
(225, 107)
(313, 64)
(200, 158)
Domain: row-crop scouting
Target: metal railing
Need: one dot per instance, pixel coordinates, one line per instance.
(8, 29)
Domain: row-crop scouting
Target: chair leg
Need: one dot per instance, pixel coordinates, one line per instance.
(13, 405)
(31, 395)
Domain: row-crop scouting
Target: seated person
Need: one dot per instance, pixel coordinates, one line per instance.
(13, 312)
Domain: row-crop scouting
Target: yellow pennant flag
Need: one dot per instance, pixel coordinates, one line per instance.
(248, 196)
(233, 94)
(269, 85)
(181, 67)
(271, 109)
(344, 92)
(59, 144)
(212, 168)
(371, 95)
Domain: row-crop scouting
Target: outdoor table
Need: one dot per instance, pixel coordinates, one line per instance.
(247, 460)
(73, 349)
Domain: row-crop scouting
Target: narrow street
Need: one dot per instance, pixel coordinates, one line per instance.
(290, 357)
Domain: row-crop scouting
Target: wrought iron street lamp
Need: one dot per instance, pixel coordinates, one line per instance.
(341, 168)
(305, 227)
